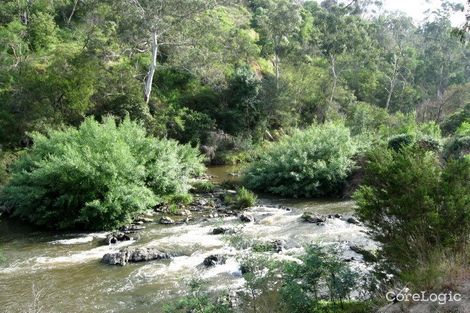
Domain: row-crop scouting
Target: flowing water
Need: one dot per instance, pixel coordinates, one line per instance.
(62, 272)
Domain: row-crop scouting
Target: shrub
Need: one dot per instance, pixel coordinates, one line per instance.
(313, 162)
(243, 199)
(457, 147)
(321, 275)
(97, 176)
(414, 205)
(400, 141)
(198, 300)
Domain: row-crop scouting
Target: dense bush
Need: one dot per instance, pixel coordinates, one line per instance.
(97, 176)
(320, 276)
(313, 162)
(414, 205)
(457, 147)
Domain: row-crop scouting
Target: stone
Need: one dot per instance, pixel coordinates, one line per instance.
(135, 255)
(117, 237)
(367, 255)
(279, 245)
(165, 220)
(352, 220)
(247, 218)
(219, 230)
(311, 218)
(213, 260)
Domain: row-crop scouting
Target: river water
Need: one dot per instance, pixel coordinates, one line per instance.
(62, 273)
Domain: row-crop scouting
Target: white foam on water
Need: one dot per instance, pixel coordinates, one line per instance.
(72, 241)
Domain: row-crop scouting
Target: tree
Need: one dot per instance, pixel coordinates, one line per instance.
(154, 24)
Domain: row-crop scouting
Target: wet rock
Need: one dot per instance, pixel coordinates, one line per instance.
(213, 260)
(311, 218)
(219, 230)
(337, 215)
(131, 228)
(366, 254)
(135, 255)
(279, 245)
(349, 259)
(165, 220)
(183, 212)
(117, 237)
(247, 218)
(143, 219)
(352, 220)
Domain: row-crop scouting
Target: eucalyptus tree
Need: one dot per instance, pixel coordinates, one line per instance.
(279, 22)
(152, 24)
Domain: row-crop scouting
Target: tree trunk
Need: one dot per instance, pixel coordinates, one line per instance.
(153, 67)
(392, 82)
(277, 62)
(75, 4)
(335, 78)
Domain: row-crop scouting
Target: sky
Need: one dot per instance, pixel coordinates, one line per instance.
(417, 8)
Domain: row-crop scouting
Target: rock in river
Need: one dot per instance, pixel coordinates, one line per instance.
(213, 260)
(247, 218)
(166, 220)
(311, 218)
(135, 255)
(117, 237)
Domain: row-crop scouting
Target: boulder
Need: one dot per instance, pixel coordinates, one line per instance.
(366, 254)
(219, 230)
(311, 218)
(213, 260)
(247, 218)
(131, 228)
(117, 237)
(166, 220)
(135, 255)
(352, 220)
(279, 245)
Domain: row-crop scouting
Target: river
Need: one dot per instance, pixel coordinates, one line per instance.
(62, 272)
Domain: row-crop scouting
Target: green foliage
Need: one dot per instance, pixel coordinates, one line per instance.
(400, 141)
(320, 275)
(413, 205)
(198, 301)
(313, 162)
(98, 176)
(203, 186)
(6, 159)
(242, 199)
(453, 121)
(457, 147)
(42, 31)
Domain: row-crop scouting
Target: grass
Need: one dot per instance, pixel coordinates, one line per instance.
(243, 199)
(203, 186)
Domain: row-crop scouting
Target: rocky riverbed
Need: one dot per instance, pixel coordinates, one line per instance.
(149, 262)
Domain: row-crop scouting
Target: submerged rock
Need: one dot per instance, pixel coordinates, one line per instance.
(247, 218)
(213, 260)
(312, 218)
(166, 220)
(279, 245)
(135, 255)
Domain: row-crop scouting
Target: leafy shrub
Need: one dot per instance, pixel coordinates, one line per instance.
(453, 121)
(6, 159)
(414, 205)
(313, 162)
(457, 147)
(400, 141)
(320, 275)
(198, 300)
(97, 176)
(243, 199)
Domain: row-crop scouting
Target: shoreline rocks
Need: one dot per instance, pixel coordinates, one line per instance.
(312, 218)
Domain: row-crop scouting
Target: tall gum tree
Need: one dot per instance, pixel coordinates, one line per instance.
(153, 24)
